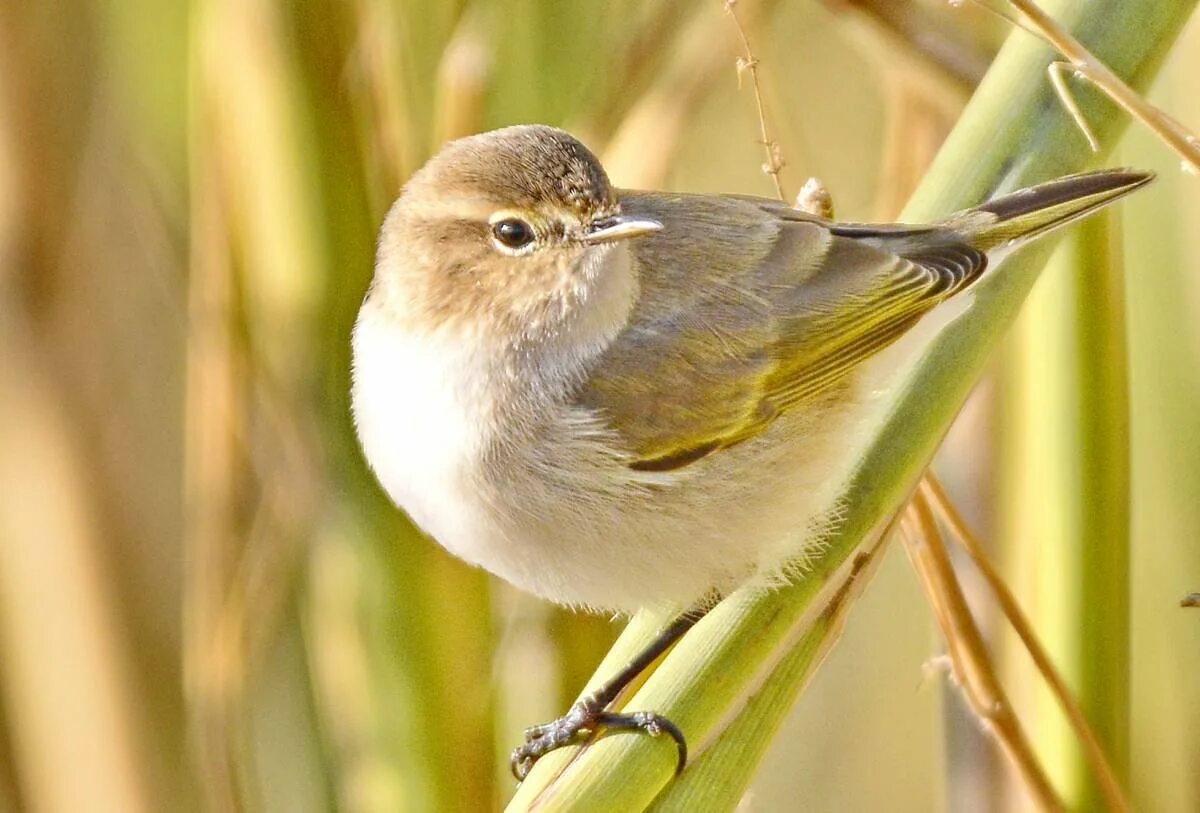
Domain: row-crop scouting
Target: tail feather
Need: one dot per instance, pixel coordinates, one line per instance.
(1032, 212)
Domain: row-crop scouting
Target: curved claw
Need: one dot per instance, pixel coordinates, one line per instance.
(584, 718)
(521, 763)
(652, 724)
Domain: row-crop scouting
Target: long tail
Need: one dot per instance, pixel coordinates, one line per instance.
(1032, 212)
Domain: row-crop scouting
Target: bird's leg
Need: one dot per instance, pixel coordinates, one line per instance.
(590, 713)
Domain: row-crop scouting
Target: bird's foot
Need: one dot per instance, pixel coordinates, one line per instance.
(585, 717)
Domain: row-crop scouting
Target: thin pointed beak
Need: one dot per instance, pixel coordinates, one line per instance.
(619, 227)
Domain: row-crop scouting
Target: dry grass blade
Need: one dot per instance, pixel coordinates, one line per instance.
(936, 497)
(1085, 65)
(376, 82)
(971, 665)
(63, 679)
(1058, 78)
(250, 492)
(213, 402)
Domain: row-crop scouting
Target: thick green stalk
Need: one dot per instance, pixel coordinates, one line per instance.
(1163, 237)
(1066, 469)
(1013, 132)
(402, 728)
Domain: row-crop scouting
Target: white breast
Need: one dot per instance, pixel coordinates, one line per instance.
(421, 422)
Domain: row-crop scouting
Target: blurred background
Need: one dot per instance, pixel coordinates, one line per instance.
(205, 601)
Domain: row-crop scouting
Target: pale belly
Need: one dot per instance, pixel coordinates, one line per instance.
(419, 425)
(556, 513)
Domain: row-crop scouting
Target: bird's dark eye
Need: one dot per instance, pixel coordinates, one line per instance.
(513, 233)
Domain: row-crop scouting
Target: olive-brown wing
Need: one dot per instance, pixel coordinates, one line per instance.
(719, 346)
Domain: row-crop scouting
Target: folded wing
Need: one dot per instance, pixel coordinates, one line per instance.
(724, 340)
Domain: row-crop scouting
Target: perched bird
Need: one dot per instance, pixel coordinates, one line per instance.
(618, 399)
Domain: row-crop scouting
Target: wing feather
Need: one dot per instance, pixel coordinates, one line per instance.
(720, 344)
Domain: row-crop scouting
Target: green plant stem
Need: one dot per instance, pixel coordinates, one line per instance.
(1065, 465)
(1012, 133)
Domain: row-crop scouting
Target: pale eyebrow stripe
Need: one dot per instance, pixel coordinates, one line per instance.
(474, 207)
(467, 207)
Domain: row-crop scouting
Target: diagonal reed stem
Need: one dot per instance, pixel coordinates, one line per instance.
(1012, 133)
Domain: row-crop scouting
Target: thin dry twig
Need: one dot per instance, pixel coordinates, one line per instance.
(937, 497)
(1058, 78)
(749, 64)
(970, 662)
(1085, 65)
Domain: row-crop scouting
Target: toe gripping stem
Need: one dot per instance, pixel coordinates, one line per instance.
(590, 715)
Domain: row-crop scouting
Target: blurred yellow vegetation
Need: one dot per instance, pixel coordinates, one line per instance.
(205, 601)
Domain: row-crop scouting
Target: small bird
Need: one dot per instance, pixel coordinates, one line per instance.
(618, 399)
